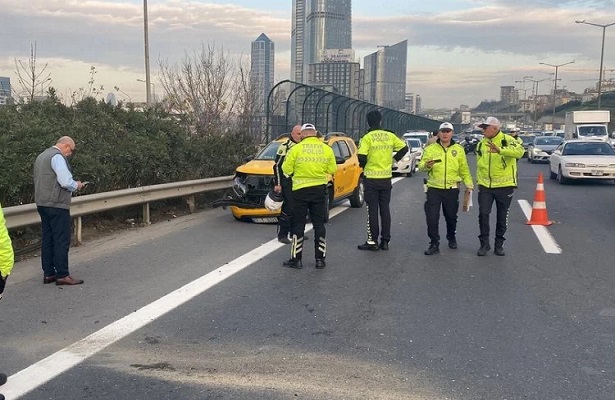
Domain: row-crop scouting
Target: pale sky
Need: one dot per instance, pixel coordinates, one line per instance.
(459, 52)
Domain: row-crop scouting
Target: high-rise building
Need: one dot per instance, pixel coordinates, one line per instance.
(318, 25)
(385, 76)
(5, 90)
(509, 95)
(262, 69)
(339, 70)
(413, 103)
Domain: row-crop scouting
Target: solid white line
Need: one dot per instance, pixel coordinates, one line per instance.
(542, 233)
(48, 368)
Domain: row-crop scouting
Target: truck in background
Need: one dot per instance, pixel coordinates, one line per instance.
(587, 124)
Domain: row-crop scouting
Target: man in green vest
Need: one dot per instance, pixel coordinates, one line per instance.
(309, 163)
(496, 174)
(376, 158)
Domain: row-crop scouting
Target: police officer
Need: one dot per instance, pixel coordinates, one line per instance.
(374, 153)
(309, 163)
(446, 164)
(7, 257)
(284, 185)
(496, 174)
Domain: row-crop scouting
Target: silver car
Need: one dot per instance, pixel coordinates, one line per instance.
(541, 148)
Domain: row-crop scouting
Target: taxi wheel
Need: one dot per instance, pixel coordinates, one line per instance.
(328, 201)
(358, 195)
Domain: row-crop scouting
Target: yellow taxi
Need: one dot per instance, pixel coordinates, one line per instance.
(254, 179)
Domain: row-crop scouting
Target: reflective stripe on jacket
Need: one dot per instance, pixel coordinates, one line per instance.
(452, 169)
(309, 163)
(496, 170)
(379, 145)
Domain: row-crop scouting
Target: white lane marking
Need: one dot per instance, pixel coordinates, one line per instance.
(50, 367)
(542, 233)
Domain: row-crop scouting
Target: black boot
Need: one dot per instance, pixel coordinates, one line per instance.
(484, 249)
(433, 249)
(368, 246)
(498, 249)
(452, 243)
(293, 263)
(320, 263)
(384, 244)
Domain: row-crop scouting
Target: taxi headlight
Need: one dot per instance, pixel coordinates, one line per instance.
(239, 187)
(574, 165)
(406, 159)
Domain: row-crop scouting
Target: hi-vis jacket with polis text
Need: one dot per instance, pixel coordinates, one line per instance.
(379, 145)
(452, 168)
(497, 170)
(309, 163)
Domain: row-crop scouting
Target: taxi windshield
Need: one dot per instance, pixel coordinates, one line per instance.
(269, 152)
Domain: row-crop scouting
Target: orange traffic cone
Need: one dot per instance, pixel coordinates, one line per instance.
(539, 208)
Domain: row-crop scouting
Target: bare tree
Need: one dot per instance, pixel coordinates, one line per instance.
(29, 77)
(208, 89)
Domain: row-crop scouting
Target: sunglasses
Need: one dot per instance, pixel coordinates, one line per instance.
(446, 130)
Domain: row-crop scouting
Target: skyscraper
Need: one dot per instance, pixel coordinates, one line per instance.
(5, 90)
(262, 69)
(385, 76)
(318, 25)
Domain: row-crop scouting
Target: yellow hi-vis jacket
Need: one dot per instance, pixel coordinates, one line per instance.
(309, 163)
(379, 145)
(497, 170)
(7, 258)
(452, 169)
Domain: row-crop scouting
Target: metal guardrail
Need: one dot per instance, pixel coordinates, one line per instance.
(26, 214)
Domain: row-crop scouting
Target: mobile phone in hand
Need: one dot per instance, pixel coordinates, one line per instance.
(436, 161)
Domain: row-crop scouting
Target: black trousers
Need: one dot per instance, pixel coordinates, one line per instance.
(448, 199)
(285, 217)
(378, 199)
(502, 198)
(313, 200)
(56, 230)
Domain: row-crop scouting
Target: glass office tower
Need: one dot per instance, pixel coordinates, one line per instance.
(318, 25)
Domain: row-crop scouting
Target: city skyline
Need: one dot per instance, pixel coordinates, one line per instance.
(458, 52)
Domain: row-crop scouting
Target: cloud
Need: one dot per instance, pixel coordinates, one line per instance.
(457, 55)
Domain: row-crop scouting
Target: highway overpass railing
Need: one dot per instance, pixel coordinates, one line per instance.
(26, 214)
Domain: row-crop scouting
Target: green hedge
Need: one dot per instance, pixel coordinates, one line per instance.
(116, 148)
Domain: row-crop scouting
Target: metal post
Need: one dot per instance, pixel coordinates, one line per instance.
(601, 53)
(555, 87)
(147, 74)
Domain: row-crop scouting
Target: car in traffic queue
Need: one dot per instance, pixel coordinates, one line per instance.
(582, 159)
(407, 165)
(525, 142)
(254, 179)
(416, 146)
(541, 148)
(422, 135)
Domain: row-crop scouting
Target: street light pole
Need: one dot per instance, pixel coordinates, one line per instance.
(147, 76)
(555, 87)
(601, 53)
(153, 89)
(536, 82)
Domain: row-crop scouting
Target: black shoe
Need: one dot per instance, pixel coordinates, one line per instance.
(320, 263)
(284, 239)
(484, 249)
(452, 243)
(368, 246)
(499, 251)
(433, 249)
(384, 245)
(293, 263)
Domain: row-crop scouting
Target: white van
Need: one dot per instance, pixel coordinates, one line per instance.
(422, 135)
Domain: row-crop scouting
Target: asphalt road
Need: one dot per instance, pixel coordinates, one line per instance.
(372, 325)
